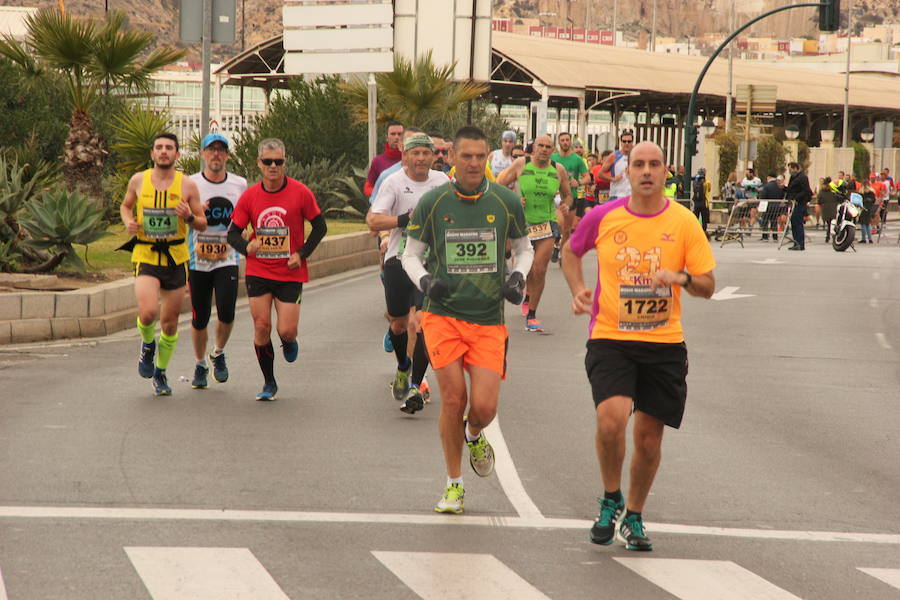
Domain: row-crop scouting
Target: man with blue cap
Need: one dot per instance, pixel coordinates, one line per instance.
(213, 263)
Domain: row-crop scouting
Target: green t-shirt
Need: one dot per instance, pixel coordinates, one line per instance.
(574, 166)
(539, 187)
(467, 240)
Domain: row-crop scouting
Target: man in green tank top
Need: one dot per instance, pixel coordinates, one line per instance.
(540, 179)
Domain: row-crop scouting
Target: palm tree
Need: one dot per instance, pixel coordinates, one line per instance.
(415, 92)
(94, 58)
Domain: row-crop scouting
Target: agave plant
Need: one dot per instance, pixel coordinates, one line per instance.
(134, 132)
(15, 191)
(59, 221)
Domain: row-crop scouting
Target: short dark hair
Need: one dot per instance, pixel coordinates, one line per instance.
(435, 134)
(167, 135)
(750, 170)
(469, 132)
(562, 133)
(794, 165)
(393, 124)
(412, 129)
(772, 175)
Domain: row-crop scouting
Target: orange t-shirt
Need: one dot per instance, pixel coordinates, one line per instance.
(630, 249)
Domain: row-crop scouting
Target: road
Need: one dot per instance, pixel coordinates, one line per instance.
(782, 482)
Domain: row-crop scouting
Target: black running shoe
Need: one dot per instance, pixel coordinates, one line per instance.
(604, 529)
(199, 382)
(145, 361)
(631, 533)
(161, 383)
(220, 369)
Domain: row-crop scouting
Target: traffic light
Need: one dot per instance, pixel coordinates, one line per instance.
(830, 15)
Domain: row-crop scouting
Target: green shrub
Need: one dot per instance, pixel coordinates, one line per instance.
(728, 154)
(769, 157)
(861, 162)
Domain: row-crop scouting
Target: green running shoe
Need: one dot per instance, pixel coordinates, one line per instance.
(400, 385)
(631, 533)
(414, 401)
(452, 500)
(604, 529)
(481, 456)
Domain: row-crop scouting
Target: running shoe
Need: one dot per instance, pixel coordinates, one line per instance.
(145, 362)
(631, 533)
(604, 529)
(220, 369)
(270, 389)
(533, 325)
(426, 390)
(199, 382)
(414, 401)
(387, 344)
(452, 500)
(290, 350)
(525, 308)
(161, 383)
(555, 256)
(481, 456)
(400, 385)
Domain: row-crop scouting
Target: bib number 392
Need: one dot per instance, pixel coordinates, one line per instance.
(471, 251)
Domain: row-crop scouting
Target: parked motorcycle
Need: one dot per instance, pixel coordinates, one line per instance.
(843, 227)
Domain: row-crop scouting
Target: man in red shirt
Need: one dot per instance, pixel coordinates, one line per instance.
(393, 152)
(276, 208)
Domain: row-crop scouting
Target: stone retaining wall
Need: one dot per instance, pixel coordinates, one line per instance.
(110, 307)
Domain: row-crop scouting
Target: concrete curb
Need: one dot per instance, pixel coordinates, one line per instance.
(107, 308)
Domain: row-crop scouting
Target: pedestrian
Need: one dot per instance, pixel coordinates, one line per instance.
(772, 193)
(393, 149)
(798, 191)
(160, 205)
(465, 225)
(701, 198)
(869, 215)
(649, 249)
(278, 208)
(213, 263)
(827, 200)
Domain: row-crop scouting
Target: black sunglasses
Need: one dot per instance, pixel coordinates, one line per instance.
(624, 141)
(272, 161)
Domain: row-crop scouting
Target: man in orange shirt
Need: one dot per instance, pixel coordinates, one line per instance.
(648, 248)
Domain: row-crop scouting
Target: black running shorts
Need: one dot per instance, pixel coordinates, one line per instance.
(170, 277)
(653, 375)
(224, 281)
(400, 294)
(290, 292)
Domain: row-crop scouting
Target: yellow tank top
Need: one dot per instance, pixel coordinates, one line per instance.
(158, 221)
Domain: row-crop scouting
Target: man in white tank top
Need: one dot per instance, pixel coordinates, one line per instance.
(615, 166)
(502, 158)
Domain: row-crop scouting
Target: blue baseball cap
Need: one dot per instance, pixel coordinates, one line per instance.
(213, 137)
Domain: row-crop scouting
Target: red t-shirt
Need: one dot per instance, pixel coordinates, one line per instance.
(278, 220)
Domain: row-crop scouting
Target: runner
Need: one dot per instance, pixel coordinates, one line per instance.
(465, 224)
(636, 357)
(578, 176)
(167, 203)
(501, 158)
(213, 264)
(615, 166)
(391, 211)
(393, 148)
(540, 180)
(277, 208)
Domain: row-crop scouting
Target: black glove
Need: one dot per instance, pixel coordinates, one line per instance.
(433, 288)
(514, 288)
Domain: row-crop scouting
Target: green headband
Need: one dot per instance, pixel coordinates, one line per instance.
(417, 141)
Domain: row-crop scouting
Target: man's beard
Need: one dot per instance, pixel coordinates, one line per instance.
(163, 166)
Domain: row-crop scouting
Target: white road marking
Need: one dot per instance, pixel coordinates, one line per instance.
(204, 574)
(882, 341)
(876, 275)
(507, 474)
(889, 576)
(768, 261)
(704, 579)
(728, 293)
(274, 516)
(3, 595)
(873, 302)
(436, 576)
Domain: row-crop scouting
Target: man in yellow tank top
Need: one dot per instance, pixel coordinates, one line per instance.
(159, 206)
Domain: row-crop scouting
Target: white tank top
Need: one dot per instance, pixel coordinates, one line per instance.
(499, 162)
(209, 249)
(618, 189)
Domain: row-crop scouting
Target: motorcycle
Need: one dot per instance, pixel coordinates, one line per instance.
(843, 227)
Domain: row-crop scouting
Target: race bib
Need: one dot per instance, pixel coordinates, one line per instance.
(274, 242)
(471, 251)
(160, 223)
(540, 231)
(211, 248)
(643, 309)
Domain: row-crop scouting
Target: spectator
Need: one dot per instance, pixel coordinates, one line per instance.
(391, 156)
(772, 193)
(827, 200)
(701, 196)
(869, 214)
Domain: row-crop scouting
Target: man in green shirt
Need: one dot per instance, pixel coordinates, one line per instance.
(465, 224)
(578, 176)
(540, 181)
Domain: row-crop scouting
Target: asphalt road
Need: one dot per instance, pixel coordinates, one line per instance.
(782, 482)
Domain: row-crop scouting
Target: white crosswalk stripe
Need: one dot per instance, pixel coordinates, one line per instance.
(203, 574)
(3, 595)
(889, 576)
(437, 576)
(705, 579)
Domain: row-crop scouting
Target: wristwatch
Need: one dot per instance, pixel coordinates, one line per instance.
(687, 281)
(190, 219)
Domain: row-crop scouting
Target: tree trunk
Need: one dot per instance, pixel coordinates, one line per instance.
(83, 157)
(47, 266)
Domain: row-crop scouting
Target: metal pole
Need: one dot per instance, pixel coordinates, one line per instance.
(729, 99)
(471, 58)
(653, 28)
(372, 89)
(204, 93)
(615, 22)
(845, 140)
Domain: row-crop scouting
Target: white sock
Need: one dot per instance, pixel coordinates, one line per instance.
(452, 480)
(217, 351)
(202, 362)
(470, 437)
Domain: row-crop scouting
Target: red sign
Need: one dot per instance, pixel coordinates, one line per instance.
(551, 32)
(784, 46)
(593, 36)
(607, 38)
(578, 35)
(536, 31)
(501, 25)
(564, 34)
